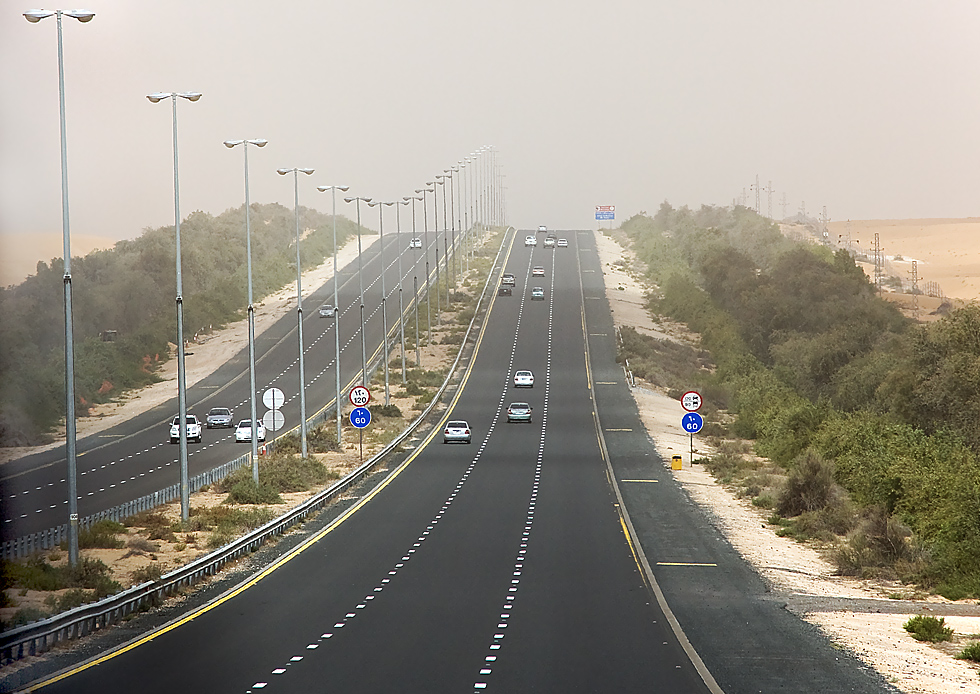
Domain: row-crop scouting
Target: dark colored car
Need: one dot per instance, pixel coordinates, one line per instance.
(505, 290)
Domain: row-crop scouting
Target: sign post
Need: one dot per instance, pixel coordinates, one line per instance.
(605, 212)
(360, 417)
(692, 423)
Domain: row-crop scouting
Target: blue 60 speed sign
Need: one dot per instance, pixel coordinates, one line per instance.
(692, 422)
(360, 417)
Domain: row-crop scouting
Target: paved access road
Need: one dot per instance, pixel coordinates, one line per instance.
(503, 565)
(136, 458)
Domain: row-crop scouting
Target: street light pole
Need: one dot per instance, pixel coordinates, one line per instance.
(401, 306)
(336, 307)
(435, 230)
(299, 308)
(35, 16)
(360, 279)
(384, 293)
(415, 280)
(251, 308)
(452, 218)
(425, 231)
(441, 180)
(181, 371)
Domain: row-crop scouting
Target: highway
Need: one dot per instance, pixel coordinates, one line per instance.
(504, 565)
(136, 458)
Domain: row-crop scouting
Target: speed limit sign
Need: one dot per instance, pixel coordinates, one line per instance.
(359, 396)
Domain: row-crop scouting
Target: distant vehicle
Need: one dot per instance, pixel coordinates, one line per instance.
(457, 431)
(519, 412)
(244, 431)
(542, 228)
(523, 379)
(505, 290)
(549, 242)
(326, 311)
(530, 241)
(219, 418)
(508, 279)
(415, 243)
(193, 428)
(563, 243)
(537, 294)
(537, 271)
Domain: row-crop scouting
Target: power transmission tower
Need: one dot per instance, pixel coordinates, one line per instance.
(769, 191)
(915, 290)
(755, 187)
(803, 211)
(784, 205)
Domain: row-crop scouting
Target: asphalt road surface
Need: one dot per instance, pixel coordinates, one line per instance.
(504, 565)
(136, 458)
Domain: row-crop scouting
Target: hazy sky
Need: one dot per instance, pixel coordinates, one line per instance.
(871, 108)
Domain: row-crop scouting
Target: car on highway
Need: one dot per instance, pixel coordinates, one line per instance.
(537, 294)
(542, 228)
(457, 431)
(219, 418)
(523, 379)
(530, 241)
(415, 243)
(244, 431)
(193, 425)
(519, 412)
(537, 271)
(508, 279)
(562, 243)
(505, 290)
(326, 311)
(550, 242)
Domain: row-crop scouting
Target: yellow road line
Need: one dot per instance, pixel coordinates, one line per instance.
(639, 480)
(685, 563)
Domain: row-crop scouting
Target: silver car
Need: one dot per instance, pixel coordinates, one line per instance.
(457, 431)
(219, 417)
(519, 412)
(537, 294)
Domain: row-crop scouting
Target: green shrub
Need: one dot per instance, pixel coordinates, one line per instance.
(25, 615)
(69, 600)
(248, 492)
(928, 628)
(140, 544)
(971, 652)
(387, 410)
(150, 572)
(810, 486)
(101, 535)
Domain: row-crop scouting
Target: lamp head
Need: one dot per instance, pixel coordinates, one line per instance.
(81, 15)
(35, 16)
(157, 97)
(283, 172)
(305, 171)
(258, 143)
(232, 143)
(190, 96)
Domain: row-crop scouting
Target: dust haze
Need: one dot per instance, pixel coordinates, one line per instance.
(868, 108)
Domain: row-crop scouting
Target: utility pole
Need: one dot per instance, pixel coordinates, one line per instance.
(803, 211)
(755, 187)
(915, 290)
(769, 192)
(785, 204)
(879, 271)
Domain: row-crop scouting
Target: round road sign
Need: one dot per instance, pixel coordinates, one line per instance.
(692, 422)
(273, 420)
(359, 396)
(360, 417)
(691, 401)
(273, 398)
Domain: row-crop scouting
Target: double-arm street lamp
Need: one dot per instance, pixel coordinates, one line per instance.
(35, 16)
(384, 292)
(336, 306)
(360, 280)
(181, 372)
(299, 307)
(251, 309)
(441, 180)
(435, 228)
(425, 232)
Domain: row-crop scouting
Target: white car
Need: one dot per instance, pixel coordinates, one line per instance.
(244, 431)
(530, 241)
(457, 430)
(537, 271)
(193, 428)
(523, 379)
(415, 243)
(563, 243)
(542, 228)
(326, 311)
(549, 242)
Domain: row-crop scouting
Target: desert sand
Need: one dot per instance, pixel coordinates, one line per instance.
(20, 252)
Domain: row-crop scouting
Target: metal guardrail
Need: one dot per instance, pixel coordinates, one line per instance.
(40, 636)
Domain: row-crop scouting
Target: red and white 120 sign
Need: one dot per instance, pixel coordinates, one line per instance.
(691, 401)
(359, 396)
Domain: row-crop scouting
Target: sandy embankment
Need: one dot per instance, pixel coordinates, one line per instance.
(204, 357)
(795, 570)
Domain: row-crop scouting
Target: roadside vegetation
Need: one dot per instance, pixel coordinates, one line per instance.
(867, 423)
(130, 289)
